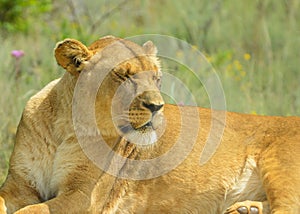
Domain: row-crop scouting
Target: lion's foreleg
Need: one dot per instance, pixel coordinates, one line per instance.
(2, 206)
(15, 194)
(69, 202)
(280, 172)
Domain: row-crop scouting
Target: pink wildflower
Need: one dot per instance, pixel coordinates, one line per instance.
(17, 53)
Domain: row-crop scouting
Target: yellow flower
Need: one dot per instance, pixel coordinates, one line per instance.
(247, 56)
(238, 65)
(209, 59)
(194, 48)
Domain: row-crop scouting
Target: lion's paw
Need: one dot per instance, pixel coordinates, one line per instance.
(246, 207)
(34, 209)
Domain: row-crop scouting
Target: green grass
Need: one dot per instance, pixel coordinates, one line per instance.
(253, 46)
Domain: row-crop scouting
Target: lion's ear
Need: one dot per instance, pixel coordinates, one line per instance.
(150, 48)
(70, 54)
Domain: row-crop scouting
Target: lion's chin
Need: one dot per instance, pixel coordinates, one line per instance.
(141, 137)
(145, 134)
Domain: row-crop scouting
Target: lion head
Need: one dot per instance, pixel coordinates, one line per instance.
(127, 77)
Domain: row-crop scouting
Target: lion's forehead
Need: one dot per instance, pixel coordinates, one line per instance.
(132, 53)
(142, 63)
(110, 41)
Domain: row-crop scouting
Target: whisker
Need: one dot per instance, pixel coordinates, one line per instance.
(126, 128)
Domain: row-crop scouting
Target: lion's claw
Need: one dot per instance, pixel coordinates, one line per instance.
(254, 210)
(243, 210)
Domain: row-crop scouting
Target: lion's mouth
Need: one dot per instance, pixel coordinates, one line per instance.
(151, 125)
(128, 128)
(146, 133)
(145, 127)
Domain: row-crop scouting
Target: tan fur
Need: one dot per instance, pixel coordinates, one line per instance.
(257, 163)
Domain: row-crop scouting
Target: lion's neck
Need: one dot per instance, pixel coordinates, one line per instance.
(65, 89)
(63, 125)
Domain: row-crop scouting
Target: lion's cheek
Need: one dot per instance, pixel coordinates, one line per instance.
(157, 120)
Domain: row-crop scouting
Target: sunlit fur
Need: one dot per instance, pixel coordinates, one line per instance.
(257, 163)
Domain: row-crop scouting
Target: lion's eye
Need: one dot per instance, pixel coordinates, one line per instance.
(120, 76)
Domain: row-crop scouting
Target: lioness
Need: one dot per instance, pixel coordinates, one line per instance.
(54, 167)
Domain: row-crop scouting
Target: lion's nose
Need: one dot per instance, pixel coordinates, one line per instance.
(153, 107)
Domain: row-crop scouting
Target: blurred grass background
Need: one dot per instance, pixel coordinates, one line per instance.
(254, 46)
